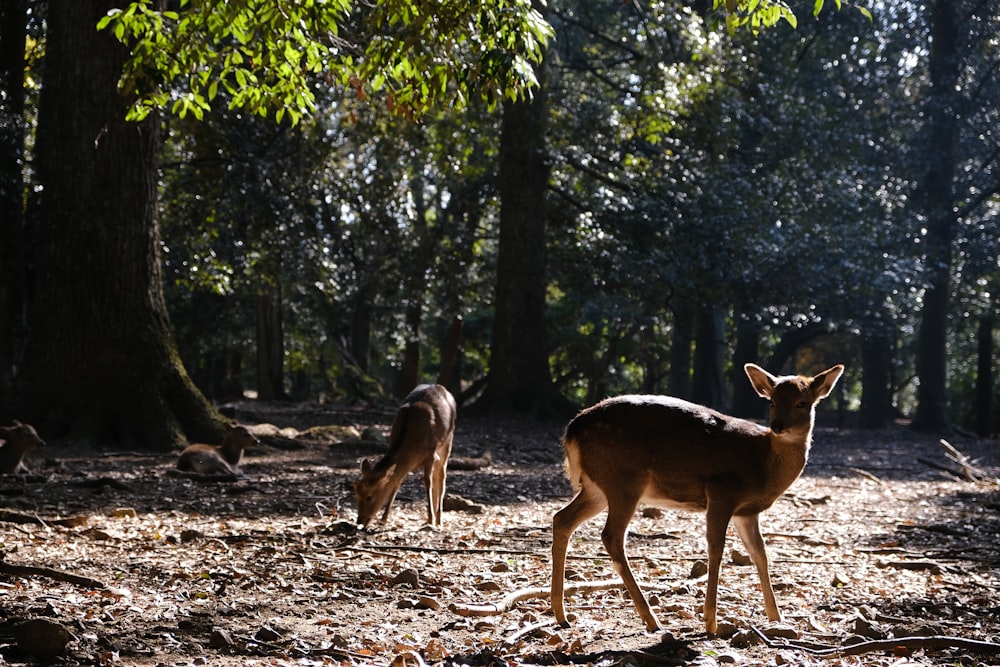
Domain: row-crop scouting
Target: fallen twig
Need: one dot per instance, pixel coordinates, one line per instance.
(867, 475)
(31, 571)
(7, 516)
(527, 630)
(971, 472)
(948, 472)
(930, 642)
(508, 602)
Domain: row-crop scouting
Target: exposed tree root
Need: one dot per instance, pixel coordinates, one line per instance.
(31, 571)
(931, 642)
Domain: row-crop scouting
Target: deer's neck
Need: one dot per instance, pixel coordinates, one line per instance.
(789, 455)
(232, 452)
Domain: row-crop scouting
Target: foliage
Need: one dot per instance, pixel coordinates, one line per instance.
(269, 57)
(766, 173)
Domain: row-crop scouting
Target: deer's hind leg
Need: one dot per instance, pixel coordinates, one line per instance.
(587, 504)
(620, 512)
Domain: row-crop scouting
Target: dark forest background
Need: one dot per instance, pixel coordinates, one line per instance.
(673, 202)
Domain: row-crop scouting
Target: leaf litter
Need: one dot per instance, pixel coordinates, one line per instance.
(885, 552)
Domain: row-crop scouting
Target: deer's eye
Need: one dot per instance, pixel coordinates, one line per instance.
(801, 404)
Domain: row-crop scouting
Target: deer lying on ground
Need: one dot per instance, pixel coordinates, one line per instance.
(668, 452)
(17, 440)
(421, 435)
(222, 459)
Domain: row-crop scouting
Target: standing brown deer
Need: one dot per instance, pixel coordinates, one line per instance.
(16, 441)
(218, 460)
(421, 435)
(664, 451)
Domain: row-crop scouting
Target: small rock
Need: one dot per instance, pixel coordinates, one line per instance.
(427, 602)
(726, 629)
(407, 576)
(489, 586)
(41, 638)
(220, 639)
(840, 580)
(698, 569)
(456, 503)
(746, 639)
(652, 513)
(862, 626)
(729, 658)
(372, 434)
(266, 634)
(740, 558)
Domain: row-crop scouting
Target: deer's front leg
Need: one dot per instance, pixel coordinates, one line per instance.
(748, 528)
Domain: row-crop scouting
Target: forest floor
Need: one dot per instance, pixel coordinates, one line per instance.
(879, 557)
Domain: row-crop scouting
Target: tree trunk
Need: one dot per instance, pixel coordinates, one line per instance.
(450, 349)
(270, 345)
(409, 374)
(681, 340)
(932, 414)
(519, 380)
(985, 423)
(876, 393)
(100, 363)
(789, 343)
(746, 402)
(361, 333)
(13, 266)
(709, 348)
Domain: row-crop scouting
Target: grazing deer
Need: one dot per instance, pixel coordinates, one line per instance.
(17, 440)
(421, 435)
(668, 452)
(222, 459)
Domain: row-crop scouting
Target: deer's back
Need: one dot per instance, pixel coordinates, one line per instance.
(204, 459)
(672, 449)
(424, 422)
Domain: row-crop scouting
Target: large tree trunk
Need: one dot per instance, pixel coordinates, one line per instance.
(451, 347)
(681, 340)
(876, 393)
(100, 363)
(270, 344)
(985, 421)
(932, 413)
(409, 372)
(746, 402)
(519, 380)
(709, 348)
(13, 265)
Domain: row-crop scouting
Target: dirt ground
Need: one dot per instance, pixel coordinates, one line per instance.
(879, 557)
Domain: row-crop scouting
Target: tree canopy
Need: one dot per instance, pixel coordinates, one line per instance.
(700, 197)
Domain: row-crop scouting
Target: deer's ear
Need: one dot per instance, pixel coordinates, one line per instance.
(762, 381)
(366, 466)
(823, 383)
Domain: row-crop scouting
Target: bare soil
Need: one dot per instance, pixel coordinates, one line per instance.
(879, 557)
